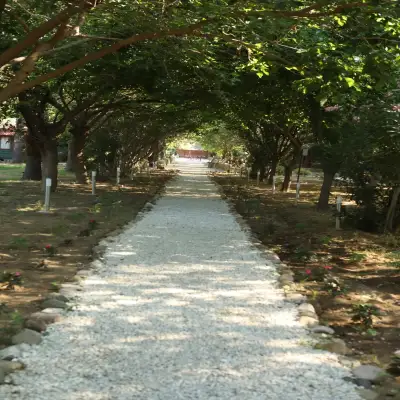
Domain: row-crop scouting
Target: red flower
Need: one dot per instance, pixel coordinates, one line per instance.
(48, 246)
(328, 267)
(308, 271)
(92, 221)
(17, 274)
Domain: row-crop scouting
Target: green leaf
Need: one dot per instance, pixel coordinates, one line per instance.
(323, 101)
(350, 81)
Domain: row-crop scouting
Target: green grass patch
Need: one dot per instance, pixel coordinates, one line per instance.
(394, 264)
(395, 255)
(357, 257)
(13, 172)
(18, 243)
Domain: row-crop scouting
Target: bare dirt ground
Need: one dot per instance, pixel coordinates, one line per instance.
(24, 233)
(306, 239)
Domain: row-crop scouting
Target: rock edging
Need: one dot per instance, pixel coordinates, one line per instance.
(55, 305)
(308, 318)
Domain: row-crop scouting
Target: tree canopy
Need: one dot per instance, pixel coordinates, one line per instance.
(117, 79)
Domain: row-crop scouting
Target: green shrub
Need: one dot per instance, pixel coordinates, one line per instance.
(11, 279)
(303, 254)
(364, 314)
(324, 240)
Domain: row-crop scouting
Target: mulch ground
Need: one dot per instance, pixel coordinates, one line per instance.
(25, 232)
(306, 239)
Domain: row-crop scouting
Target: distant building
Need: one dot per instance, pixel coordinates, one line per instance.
(7, 133)
(192, 150)
(192, 153)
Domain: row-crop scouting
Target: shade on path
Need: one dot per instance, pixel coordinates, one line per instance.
(183, 306)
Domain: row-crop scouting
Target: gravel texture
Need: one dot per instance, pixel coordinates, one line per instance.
(182, 307)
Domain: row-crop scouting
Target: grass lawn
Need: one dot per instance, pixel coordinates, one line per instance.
(13, 172)
(24, 232)
(368, 265)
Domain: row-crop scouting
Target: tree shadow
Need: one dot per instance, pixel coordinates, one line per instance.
(184, 307)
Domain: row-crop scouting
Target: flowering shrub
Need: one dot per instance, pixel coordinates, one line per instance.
(317, 274)
(333, 286)
(11, 279)
(49, 250)
(92, 224)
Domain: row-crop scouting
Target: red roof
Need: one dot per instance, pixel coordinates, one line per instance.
(7, 132)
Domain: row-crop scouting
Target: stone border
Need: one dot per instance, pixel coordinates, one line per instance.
(364, 376)
(56, 304)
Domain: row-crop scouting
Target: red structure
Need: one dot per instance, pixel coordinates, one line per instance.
(192, 153)
(7, 142)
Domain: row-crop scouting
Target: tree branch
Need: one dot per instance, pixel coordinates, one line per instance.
(46, 27)
(29, 64)
(17, 86)
(12, 90)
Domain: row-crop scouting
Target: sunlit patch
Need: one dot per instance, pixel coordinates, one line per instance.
(146, 236)
(94, 281)
(293, 357)
(282, 344)
(122, 253)
(105, 293)
(131, 319)
(176, 303)
(78, 321)
(244, 319)
(126, 302)
(172, 290)
(155, 337)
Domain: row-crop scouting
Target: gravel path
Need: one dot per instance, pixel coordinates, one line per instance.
(184, 307)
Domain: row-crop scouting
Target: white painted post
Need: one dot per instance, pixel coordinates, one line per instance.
(258, 178)
(273, 184)
(297, 192)
(47, 195)
(248, 174)
(118, 175)
(94, 183)
(338, 208)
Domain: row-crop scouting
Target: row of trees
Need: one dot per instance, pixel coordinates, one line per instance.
(339, 96)
(116, 79)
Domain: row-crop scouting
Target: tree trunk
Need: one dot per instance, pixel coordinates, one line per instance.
(289, 167)
(391, 213)
(77, 145)
(272, 171)
(18, 153)
(33, 166)
(258, 164)
(323, 201)
(288, 176)
(50, 162)
(69, 165)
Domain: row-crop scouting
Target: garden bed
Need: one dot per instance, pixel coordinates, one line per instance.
(75, 225)
(367, 265)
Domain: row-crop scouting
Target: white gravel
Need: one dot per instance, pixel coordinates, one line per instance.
(184, 307)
